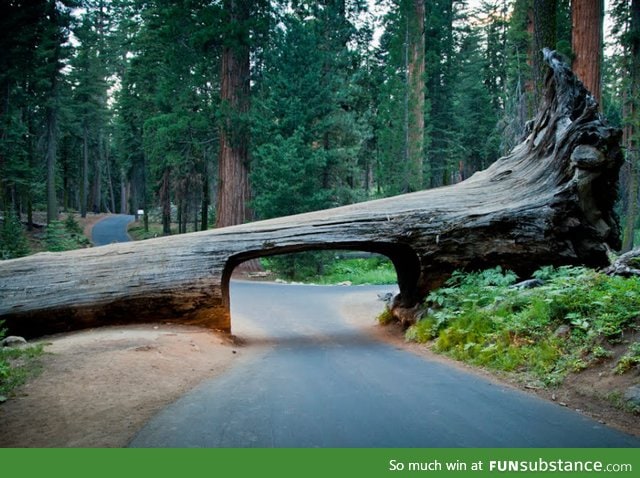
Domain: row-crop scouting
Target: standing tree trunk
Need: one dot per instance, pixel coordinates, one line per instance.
(96, 196)
(628, 237)
(631, 130)
(204, 211)
(586, 42)
(84, 190)
(53, 65)
(96, 187)
(416, 94)
(165, 199)
(124, 190)
(112, 195)
(544, 36)
(52, 137)
(519, 108)
(179, 214)
(233, 160)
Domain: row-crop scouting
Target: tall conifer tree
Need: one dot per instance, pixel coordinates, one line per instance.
(233, 156)
(587, 19)
(415, 96)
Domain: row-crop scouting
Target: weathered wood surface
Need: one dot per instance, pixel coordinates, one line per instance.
(627, 265)
(550, 201)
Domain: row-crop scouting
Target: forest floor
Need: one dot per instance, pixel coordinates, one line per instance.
(35, 236)
(98, 387)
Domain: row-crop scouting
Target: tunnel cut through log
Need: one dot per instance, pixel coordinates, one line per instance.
(404, 259)
(550, 201)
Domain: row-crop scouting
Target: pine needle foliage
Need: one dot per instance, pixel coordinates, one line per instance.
(13, 240)
(64, 236)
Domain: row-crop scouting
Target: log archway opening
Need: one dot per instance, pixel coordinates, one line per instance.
(404, 259)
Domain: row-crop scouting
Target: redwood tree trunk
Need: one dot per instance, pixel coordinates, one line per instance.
(233, 159)
(416, 87)
(586, 42)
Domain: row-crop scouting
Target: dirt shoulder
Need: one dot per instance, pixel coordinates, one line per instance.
(98, 387)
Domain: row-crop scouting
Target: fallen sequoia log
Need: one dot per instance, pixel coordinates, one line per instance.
(549, 202)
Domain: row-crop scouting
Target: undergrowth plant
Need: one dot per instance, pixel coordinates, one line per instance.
(328, 268)
(13, 241)
(64, 235)
(629, 360)
(16, 365)
(374, 270)
(564, 325)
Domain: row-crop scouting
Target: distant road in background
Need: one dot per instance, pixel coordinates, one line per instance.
(111, 229)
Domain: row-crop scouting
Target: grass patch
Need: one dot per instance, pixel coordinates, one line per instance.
(616, 398)
(385, 317)
(374, 270)
(17, 364)
(137, 232)
(563, 326)
(332, 268)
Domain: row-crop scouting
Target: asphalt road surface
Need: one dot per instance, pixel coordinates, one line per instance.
(317, 381)
(111, 229)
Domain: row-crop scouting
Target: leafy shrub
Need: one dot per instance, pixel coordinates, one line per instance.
(629, 360)
(71, 225)
(64, 236)
(329, 267)
(477, 317)
(137, 231)
(385, 317)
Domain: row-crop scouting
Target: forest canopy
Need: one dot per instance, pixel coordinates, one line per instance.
(207, 113)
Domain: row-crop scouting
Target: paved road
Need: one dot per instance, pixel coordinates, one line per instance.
(111, 229)
(320, 382)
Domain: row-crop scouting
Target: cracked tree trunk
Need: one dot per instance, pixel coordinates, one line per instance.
(549, 202)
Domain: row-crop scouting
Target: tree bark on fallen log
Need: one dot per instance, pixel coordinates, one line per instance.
(549, 202)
